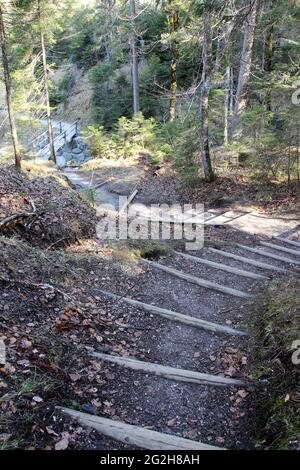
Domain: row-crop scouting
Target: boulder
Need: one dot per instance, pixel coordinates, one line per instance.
(79, 157)
(67, 156)
(87, 155)
(76, 151)
(82, 146)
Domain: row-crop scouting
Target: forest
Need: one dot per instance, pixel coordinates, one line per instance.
(160, 102)
(215, 82)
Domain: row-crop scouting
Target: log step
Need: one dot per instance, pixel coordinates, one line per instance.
(175, 316)
(135, 435)
(171, 373)
(289, 242)
(281, 248)
(269, 255)
(252, 262)
(200, 282)
(223, 267)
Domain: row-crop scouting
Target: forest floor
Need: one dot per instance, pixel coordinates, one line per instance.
(234, 188)
(52, 318)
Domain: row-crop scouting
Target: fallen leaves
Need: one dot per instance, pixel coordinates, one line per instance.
(243, 393)
(63, 444)
(172, 423)
(75, 377)
(25, 344)
(37, 399)
(4, 437)
(68, 319)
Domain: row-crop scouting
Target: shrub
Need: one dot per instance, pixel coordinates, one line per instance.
(129, 138)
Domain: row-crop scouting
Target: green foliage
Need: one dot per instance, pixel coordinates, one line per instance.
(89, 194)
(275, 331)
(59, 93)
(112, 94)
(129, 138)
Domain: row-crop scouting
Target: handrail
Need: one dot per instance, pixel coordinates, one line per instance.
(71, 130)
(39, 136)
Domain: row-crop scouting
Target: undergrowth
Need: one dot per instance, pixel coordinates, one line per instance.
(276, 333)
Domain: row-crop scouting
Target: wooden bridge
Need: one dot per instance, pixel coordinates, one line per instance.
(66, 132)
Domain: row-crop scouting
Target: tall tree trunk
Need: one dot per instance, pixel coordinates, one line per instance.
(227, 103)
(173, 20)
(269, 50)
(218, 54)
(134, 59)
(204, 97)
(245, 69)
(7, 82)
(269, 42)
(269, 63)
(231, 102)
(45, 80)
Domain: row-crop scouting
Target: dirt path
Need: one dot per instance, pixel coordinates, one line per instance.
(218, 416)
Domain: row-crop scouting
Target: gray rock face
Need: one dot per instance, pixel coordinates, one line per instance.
(67, 156)
(74, 153)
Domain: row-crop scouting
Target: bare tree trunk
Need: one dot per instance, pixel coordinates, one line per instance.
(46, 88)
(204, 97)
(7, 82)
(227, 103)
(297, 161)
(231, 103)
(135, 64)
(218, 54)
(269, 50)
(289, 162)
(173, 19)
(245, 68)
(263, 54)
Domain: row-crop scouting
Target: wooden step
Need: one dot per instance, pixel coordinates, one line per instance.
(281, 248)
(175, 316)
(135, 435)
(200, 282)
(222, 267)
(269, 255)
(289, 242)
(171, 373)
(252, 262)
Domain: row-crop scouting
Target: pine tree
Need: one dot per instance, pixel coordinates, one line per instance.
(134, 59)
(45, 78)
(204, 95)
(7, 80)
(245, 68)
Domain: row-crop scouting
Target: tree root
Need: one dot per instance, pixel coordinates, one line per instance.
(20, 215)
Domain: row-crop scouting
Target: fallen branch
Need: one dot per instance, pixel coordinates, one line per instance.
(37, 286)
(20, 215)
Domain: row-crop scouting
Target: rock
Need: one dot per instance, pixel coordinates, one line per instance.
(72, 163)
(67, 148)
(89, 408)
(78, 156)
(76, 151)
(87, 155)
(66, 156)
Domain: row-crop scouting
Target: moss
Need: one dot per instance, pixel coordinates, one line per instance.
(276, 329)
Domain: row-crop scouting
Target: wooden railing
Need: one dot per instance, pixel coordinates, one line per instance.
(41, 146)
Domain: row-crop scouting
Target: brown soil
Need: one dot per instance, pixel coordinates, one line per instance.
(62, 216)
